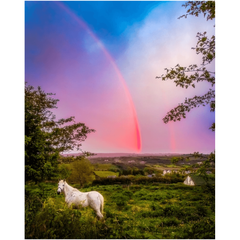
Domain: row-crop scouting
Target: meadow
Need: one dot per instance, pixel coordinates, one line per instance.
(136, 211)
(106, 173)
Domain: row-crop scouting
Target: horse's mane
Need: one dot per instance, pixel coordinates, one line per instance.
(72, 188)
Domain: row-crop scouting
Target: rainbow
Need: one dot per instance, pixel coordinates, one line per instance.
(109, 57)
(170, 125)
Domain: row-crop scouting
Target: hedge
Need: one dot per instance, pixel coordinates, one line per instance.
(141, 180)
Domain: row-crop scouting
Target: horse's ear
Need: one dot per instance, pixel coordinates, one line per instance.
(64, 180)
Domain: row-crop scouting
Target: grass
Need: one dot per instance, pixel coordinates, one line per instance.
(104, 166)
(172, 166)
(106, 173)
(185, 165)
(137, 211)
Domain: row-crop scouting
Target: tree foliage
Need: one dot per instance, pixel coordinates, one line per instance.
(188, 76)
(174, 160)
(82, 171)
(191, 75)
(197, 7)
(46, 137)
(64, 171)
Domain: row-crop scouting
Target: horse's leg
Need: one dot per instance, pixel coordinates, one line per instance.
(69, 204)
(96, 206)
(98, 213)
(101, 203)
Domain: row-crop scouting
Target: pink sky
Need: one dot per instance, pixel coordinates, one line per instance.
(106, 79)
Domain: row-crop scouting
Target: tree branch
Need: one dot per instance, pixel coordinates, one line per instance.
(180, 111)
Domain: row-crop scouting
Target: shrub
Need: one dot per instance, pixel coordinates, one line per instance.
(121, 199)
(55, 220)
(82, 171)
(138, 180)
(171, 221)
(202, 229)
(64, 171)
(171, 210)
(141, 194)
(152, 214)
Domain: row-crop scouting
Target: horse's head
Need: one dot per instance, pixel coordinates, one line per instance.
(61, 185)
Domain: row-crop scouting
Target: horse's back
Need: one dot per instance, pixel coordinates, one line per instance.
(94, 194)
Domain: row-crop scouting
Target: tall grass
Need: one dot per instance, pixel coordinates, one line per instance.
(138, 211)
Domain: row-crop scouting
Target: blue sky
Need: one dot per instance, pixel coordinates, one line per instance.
(101, 60)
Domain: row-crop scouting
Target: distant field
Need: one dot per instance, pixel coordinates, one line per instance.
(104, 166)
(123, 162)
(106, 173)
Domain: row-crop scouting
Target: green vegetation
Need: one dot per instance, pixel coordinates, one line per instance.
(45, 137)
(171, 166)
(198, 180)
(105, 167)
(81, 172)
(130, 179)
(174, 160)
(153, 211)
(136, 206)
(106, 173)
(190, 76)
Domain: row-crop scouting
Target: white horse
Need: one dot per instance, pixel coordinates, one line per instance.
(72, 195)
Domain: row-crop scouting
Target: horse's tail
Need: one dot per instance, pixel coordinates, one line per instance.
(102, 203)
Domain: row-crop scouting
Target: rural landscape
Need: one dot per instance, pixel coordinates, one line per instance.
(140, 203)
(108, 152)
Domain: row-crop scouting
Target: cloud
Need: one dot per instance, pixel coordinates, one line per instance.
(64, 59)
(164, 41)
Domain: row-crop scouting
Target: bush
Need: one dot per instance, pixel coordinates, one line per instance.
(82, 171)
(171, 210)
(141, 194)
(202, 229)
(56, 221)
(171, 221)
(138, 180)
(152, 214)
(64, 171)
(121, 199)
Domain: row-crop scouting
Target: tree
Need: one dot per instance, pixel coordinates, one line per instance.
(135, 171)
(174, 160)
(82, 171)
(66, 159)
(188, 76)
(64, 171)
(46, 137)
(148, 170)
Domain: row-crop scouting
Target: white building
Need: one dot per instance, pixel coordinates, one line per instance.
(189, 181)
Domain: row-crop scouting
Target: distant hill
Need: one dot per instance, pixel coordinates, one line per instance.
(139, 160)
(114, 155)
